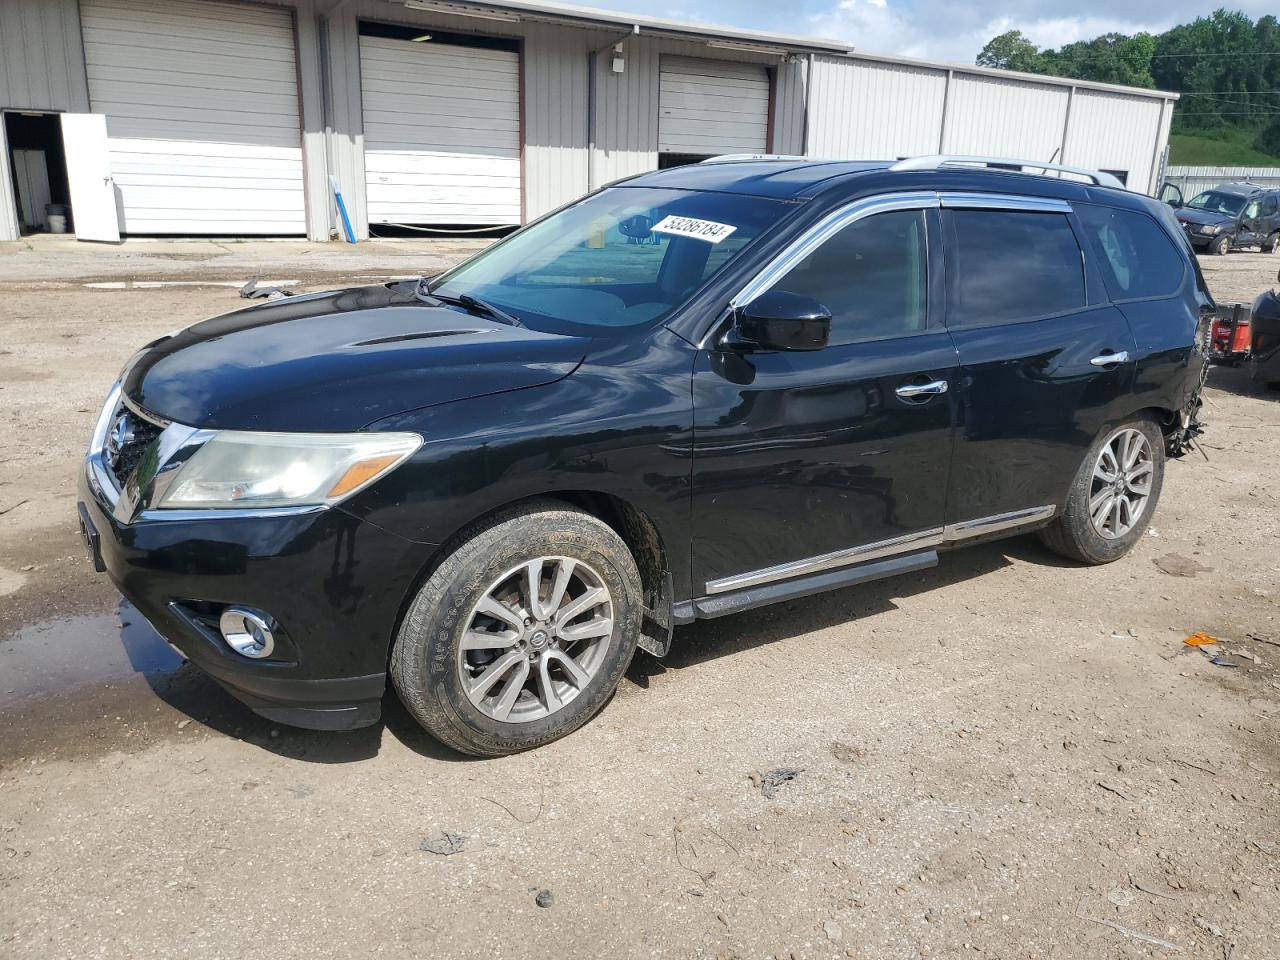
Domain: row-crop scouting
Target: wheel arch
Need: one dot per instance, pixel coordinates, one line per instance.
(636, 528)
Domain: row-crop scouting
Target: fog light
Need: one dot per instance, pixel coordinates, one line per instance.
(247, 632)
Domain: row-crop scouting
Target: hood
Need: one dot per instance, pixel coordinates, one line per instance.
(338, 361)
(1192, 215)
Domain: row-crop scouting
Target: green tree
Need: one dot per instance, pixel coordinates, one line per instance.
(1225, 66)
(1011, 51)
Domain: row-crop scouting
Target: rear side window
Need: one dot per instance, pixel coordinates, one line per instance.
(1270, 205)
(1137, 257)
(1008, 266)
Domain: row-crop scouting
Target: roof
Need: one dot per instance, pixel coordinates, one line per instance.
(758, 40)
(777, 178)
(1245, 189)
(798, 179)
(998, 74)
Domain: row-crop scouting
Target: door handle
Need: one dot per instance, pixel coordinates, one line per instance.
(909, 390)
(1107, 359)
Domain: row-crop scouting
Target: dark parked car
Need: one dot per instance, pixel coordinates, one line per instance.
(1232, 215)
(1264, 329)
(692, 393)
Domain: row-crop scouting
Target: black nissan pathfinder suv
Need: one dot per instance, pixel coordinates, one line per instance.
(689, 394)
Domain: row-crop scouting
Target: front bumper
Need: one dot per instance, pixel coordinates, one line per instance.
(333, 583)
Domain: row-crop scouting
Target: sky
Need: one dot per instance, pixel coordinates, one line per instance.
(937, 29)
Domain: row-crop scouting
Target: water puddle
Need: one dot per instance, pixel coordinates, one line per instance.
(56, 657)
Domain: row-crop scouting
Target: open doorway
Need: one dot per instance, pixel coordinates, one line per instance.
(38, 164)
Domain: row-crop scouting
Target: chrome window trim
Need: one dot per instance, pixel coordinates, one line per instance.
(837, 220)
(923, 540)
(823, 230)
(1003, 201)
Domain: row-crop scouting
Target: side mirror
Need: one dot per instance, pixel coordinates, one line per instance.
(778, 320)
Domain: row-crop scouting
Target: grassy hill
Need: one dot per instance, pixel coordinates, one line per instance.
(1225, 147)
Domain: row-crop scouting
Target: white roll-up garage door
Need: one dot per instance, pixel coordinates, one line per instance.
(201, 101)
(709, 107)
(441, 132)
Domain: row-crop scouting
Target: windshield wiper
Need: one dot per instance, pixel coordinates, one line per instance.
(483, 306)
(472, 303)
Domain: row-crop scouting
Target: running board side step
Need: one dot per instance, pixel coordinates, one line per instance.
(737, 601)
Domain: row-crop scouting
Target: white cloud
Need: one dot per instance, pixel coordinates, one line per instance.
(954, 33)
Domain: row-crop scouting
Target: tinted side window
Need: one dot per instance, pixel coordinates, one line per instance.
(1007, 266)
(1137, 257)
(1270, 205)
(870, 275)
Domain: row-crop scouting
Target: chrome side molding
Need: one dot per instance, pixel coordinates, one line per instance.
(910, 543)
(994, 524)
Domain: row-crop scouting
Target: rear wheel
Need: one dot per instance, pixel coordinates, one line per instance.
(522, 633)
(1272, 243)
(1220, 246)
(1112, 496)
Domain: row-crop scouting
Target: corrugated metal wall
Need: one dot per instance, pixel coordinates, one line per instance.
(1005, 118)
(41, 64)
(860, 106)
(41, 68)
(870, 108)
(1111, 131)
(555, 114)
(627, 120)
(789, 91)
(874, 111)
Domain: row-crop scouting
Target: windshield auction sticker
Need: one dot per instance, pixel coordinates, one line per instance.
(707, 230)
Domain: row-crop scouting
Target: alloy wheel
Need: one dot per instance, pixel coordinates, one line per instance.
(1121, 486)
(535, 639)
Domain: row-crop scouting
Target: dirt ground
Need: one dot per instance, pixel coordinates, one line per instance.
(1008, 756)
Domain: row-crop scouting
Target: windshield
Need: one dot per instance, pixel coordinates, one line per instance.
(1213, 201)
(623, 258)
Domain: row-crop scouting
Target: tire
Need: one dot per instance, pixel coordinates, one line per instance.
(1074, 534)
(1220, 246)
(428, 661)
(1272, 242)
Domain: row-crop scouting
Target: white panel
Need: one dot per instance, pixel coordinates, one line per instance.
(712, 107)
(441, 132)
(202, 110)
(1115, 132)
(93, 200)
(1005, 118)
(865, 110)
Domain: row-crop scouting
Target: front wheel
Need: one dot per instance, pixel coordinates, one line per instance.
(1112, 496)
(1220, 246)
(522, 633)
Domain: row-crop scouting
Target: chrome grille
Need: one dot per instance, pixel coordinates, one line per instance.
(127, 440)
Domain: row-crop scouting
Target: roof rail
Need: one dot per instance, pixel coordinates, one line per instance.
(731, 157)
(934, 161)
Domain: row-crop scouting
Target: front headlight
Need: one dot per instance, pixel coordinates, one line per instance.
(241, 470)
(1209, 229)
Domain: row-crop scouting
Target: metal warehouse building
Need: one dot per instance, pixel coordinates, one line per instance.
(232, 117)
